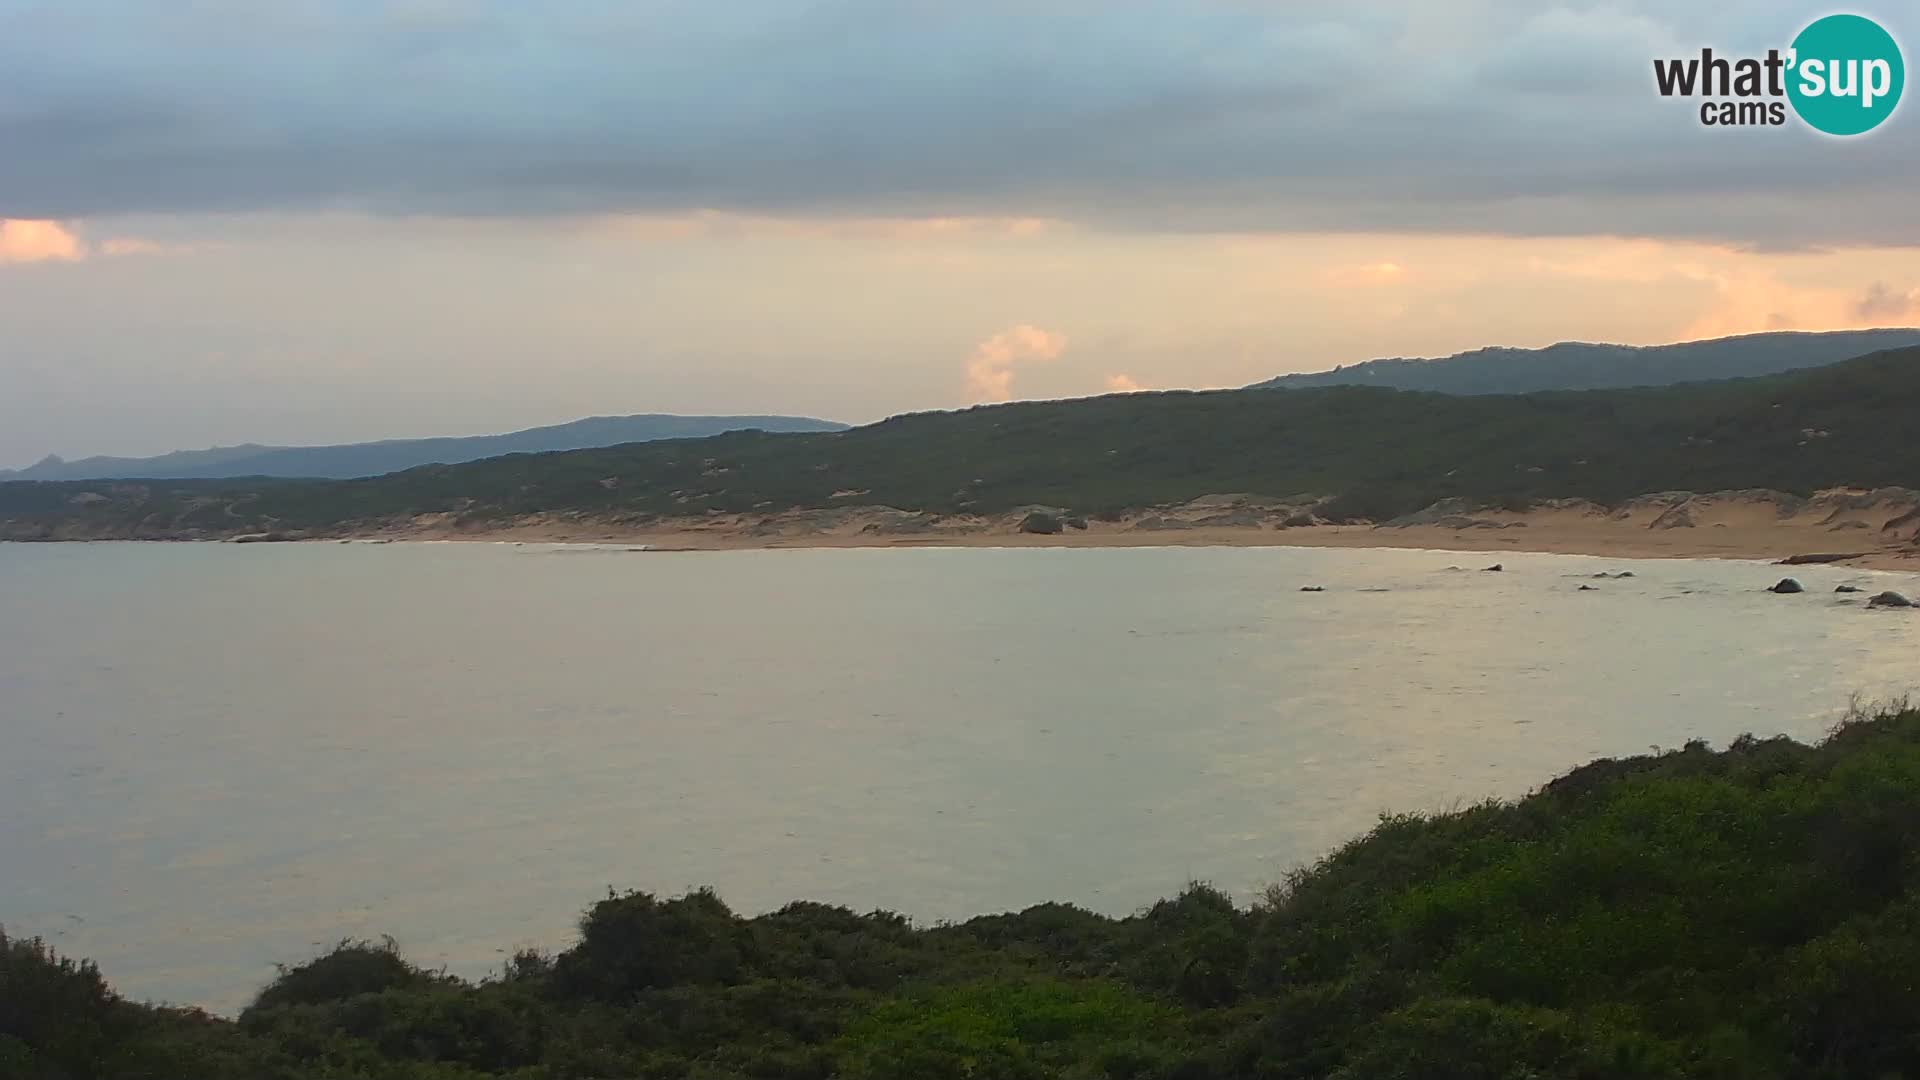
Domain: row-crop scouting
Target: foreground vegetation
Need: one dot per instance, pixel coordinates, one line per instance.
(1746, 913)
(1381, 452)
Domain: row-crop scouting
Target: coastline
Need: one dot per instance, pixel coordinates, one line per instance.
(1750, 530)
(1875, 529)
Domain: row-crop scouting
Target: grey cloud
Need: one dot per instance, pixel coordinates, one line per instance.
(1881, 302)
(1227, 114)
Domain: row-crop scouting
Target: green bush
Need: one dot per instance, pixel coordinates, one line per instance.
(348, 969)
(634, 942)
(1013, 1029)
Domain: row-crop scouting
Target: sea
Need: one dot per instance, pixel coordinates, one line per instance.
(216, 758)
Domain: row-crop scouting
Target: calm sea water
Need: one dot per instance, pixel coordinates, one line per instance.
(216, 757)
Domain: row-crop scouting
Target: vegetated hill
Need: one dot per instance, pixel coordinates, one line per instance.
(1574, 365)
(1751, 913)
(391, 455)
(1382, 452)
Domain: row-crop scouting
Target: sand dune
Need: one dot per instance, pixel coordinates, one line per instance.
(1878, 528)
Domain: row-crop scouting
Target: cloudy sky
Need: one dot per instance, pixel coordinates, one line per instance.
(306, 221)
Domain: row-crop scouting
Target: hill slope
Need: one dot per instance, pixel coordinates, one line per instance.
(1573, 365)
(374, 458)
(1383, 452)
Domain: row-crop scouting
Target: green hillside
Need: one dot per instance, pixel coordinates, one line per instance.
(1748, 914)
(1579, 365)
(1383, 452)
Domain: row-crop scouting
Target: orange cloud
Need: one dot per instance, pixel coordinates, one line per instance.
(1366, 275)
(990, 369)
(1123, 383)
(1743, 293)
(25, 240)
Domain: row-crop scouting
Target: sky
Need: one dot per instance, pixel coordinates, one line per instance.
(305, 222)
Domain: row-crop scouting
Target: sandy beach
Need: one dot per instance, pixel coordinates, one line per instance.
(1871, 529)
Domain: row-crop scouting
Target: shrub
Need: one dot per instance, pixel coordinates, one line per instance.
(633, 942)
(348, 969)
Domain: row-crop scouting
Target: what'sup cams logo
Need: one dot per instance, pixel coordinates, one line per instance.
(1842, 75)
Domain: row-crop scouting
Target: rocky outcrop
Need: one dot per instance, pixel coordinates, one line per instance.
(1683, 510)
(1238, 519)
(1041, 523)
(1675, 517)
(1837, 502)
(902, 523)
(1899, 524)
(1658, 501)
(1433, 515)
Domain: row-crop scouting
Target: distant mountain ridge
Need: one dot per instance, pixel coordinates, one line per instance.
(349, 460)
(1357, 453)
(1577, 365)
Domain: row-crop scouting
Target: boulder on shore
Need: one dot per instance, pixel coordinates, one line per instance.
(1786, 585)
(1041, 524)
(1888, 599)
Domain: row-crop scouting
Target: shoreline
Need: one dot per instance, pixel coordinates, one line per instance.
(1877, 529)
(1415, 538)
(1868, 530)
(1769, 544)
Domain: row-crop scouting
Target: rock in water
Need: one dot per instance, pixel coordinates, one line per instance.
(1846, 588)
(1313, 588)
(1888, 599)
(1786, 585)
(1494, 569)
(1041, 524)
(1820, 557)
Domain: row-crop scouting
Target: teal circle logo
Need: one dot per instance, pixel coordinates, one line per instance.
(1846, 75)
